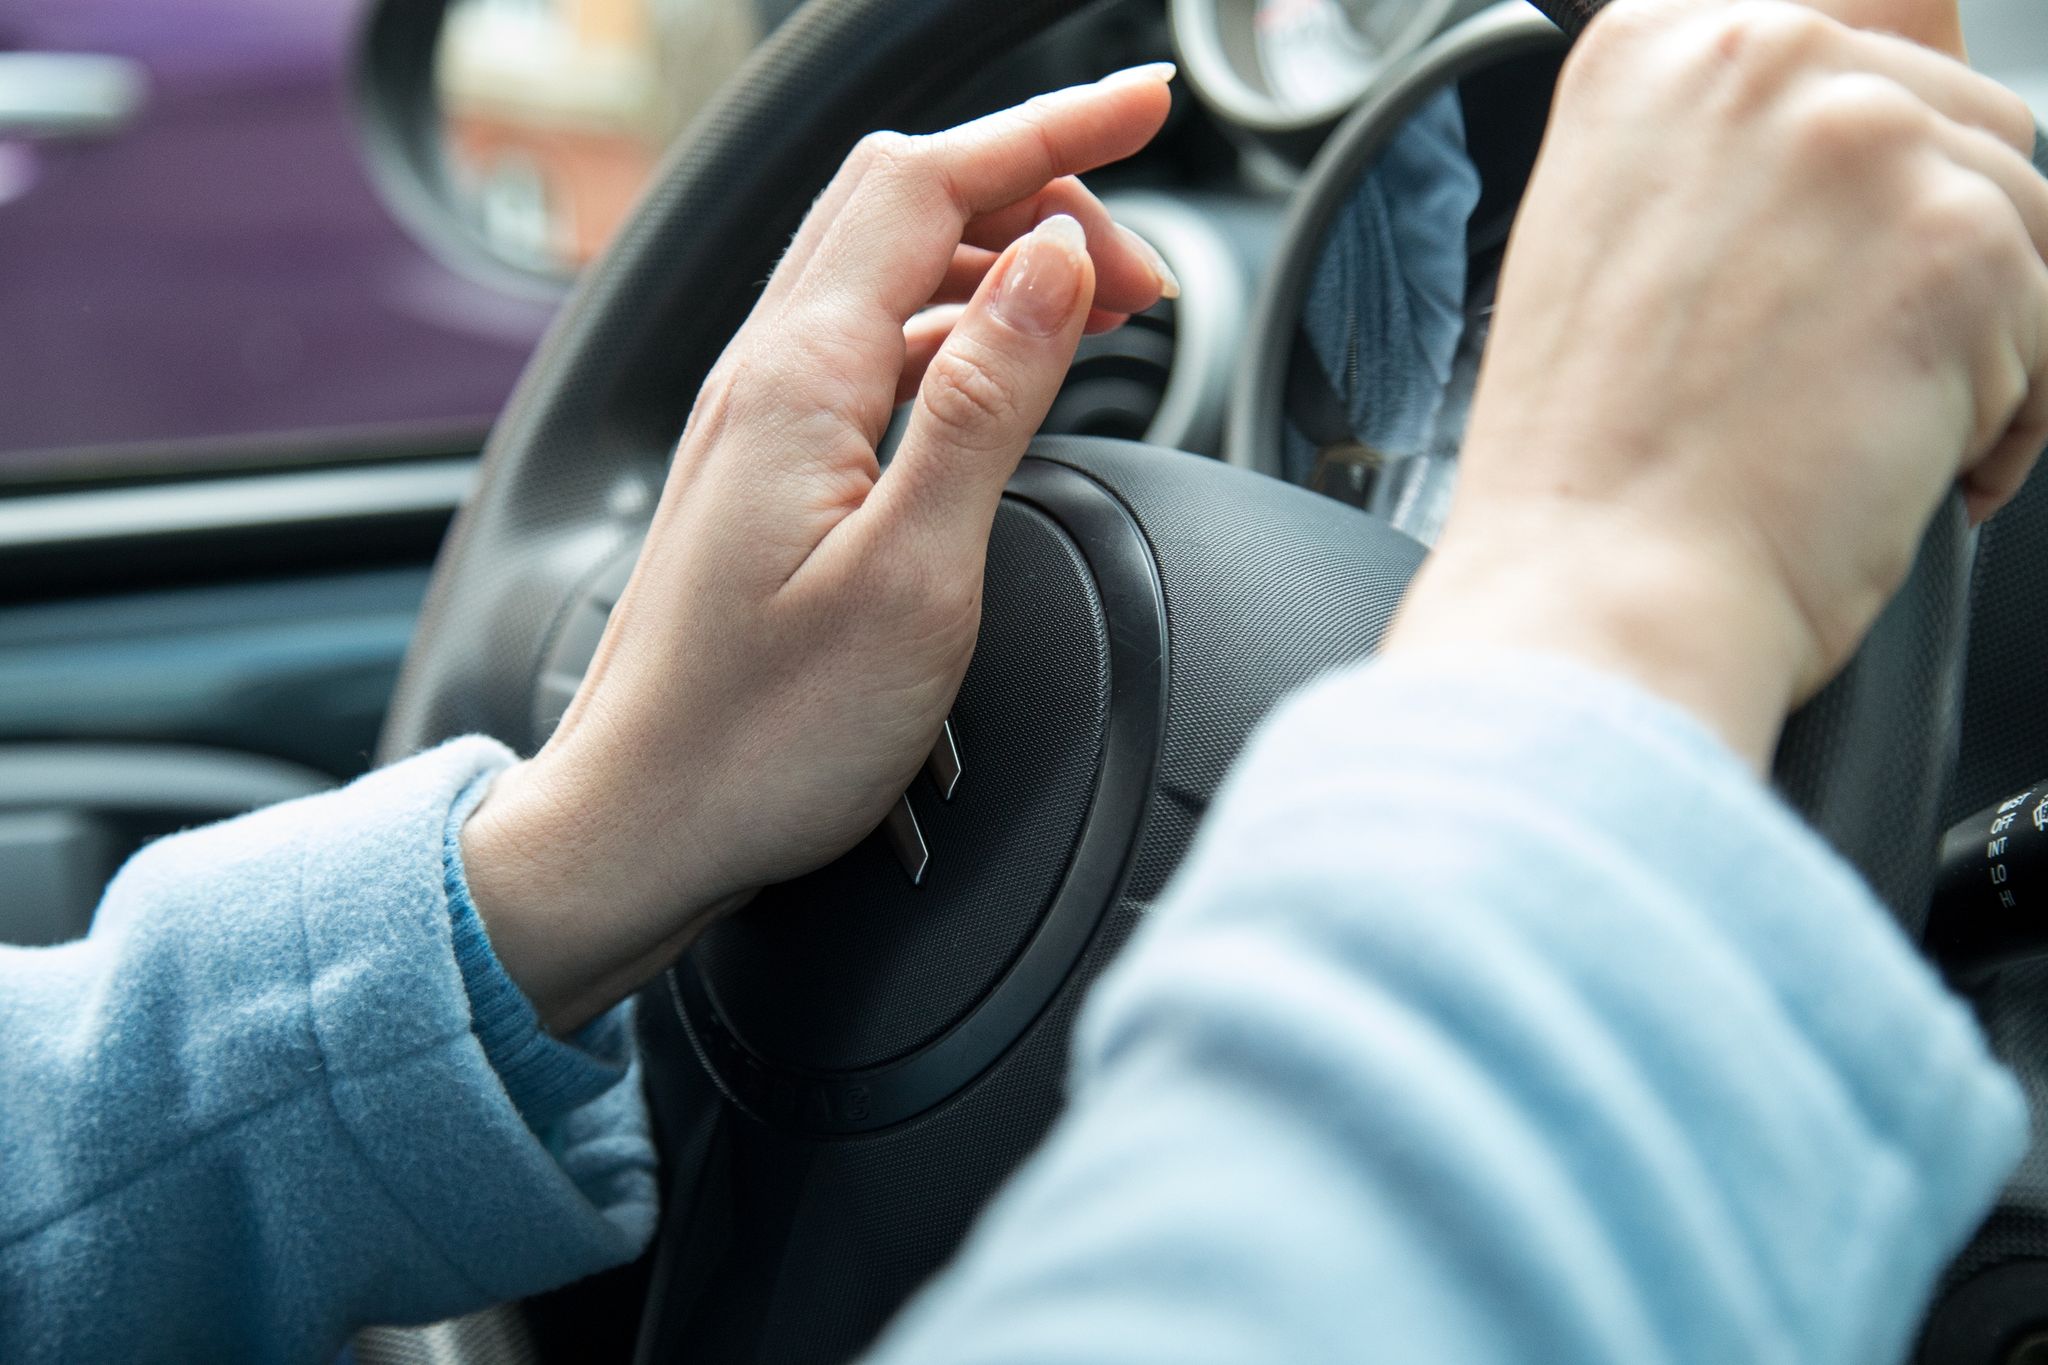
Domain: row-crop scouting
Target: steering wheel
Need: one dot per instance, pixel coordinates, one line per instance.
(835, 1106)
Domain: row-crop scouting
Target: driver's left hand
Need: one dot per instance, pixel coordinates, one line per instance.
(800, 618)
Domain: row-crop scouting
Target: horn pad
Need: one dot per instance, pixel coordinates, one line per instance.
(845, 1072)
(855, 998)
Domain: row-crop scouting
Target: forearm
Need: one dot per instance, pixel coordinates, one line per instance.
(255, 1108)
(1498, 1017)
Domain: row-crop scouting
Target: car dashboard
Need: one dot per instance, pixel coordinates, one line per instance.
(200, 615)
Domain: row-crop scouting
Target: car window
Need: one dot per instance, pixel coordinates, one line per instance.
(197, 271)
(553, 115)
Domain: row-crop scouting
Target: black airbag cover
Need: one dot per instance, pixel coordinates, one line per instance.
(855, 966)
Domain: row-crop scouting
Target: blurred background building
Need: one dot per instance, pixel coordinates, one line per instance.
(556, 110)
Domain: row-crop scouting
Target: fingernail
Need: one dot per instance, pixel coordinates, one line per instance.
(1041, 285)
(1151, 73)
(1169, 283)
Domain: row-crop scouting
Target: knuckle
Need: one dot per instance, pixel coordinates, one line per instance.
(1768, 33)
(1963, 231)
(1857, 118)
(1036, 121)
(1758, 48)
(1965, 210)
(967, 397)
(2015, 112)
(882, 153)
(904, 167)
(747, 381)
(1749, 49)
(1755, 48)
(795, 381)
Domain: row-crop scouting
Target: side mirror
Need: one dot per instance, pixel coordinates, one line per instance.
(514, 136)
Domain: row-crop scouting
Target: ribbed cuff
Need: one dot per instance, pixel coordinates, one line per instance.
(545, 1077)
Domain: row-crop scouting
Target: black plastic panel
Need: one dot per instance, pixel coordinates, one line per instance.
(295, 668)
(1059, 725)
(1998, 1318)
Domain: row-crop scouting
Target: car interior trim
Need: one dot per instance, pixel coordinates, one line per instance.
(149, 779)
(1257, 403)
(1209, 317)
(1198, 35)
(216, 506)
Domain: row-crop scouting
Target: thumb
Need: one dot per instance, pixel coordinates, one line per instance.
(986, 392)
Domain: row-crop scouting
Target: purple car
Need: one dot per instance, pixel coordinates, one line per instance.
(194, 262)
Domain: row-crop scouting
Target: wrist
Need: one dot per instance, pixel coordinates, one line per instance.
(1690, 619)
(576, 909)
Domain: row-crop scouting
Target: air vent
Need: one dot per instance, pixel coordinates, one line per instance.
(1163, 376)
(1119, 380)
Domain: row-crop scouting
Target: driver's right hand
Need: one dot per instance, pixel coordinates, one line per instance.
(1776, 287)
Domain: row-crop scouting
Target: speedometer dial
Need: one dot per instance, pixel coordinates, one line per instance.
(1294, 66)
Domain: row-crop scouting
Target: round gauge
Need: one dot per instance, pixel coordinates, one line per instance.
(1294, 66)
(1366, 341)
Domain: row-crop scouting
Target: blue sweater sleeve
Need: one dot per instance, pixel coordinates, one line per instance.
(256, 1108)
(1498, 1016)
(544, 1077)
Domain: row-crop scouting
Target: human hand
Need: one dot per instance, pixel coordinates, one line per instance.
(1936, 24)
(799, 619)
(1776, 286)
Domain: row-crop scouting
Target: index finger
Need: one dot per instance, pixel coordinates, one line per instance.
(1949, 88)
(887, 238)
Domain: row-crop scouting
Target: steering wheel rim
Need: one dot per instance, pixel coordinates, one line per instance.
(573, 467)
(1868, 760)
(615, 375)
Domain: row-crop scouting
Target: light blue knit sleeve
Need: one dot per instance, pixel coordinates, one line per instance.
(545, 1077)
(284, 1089)
(1499, 1016)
